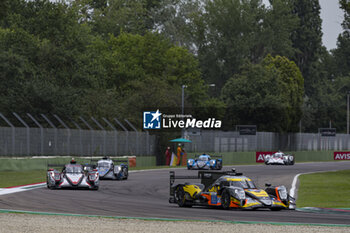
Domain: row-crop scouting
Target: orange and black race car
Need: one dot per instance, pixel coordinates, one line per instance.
(227, 189)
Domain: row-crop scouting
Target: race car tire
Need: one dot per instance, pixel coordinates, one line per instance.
(219, 166)
(293, 161)
(181, 198)
(95, 188)
(226, 199)
(126, 174)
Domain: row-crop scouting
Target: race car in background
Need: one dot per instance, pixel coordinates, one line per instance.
(228, 189)
(205, 161)
(112, 169)
(72, 176)
(279, 158)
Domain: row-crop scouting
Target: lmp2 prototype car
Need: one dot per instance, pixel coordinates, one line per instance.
(73, 176)
(228, 189)
(279, 158)
(112, 169)
(205, 161)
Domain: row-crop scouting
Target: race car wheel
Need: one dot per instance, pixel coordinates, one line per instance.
(226, 199)
(292, 160)
(181, 198)
(126, 174)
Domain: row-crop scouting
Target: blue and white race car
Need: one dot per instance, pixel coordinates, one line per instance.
(112, 169)
(204, 161)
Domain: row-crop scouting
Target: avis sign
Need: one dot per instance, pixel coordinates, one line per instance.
(342, 155)
(260, 155)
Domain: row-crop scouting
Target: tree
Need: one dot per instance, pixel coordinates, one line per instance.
(342, 52)
(121, 16)
(267, 94)
(280, 25)
(307, 39)
(138, 66)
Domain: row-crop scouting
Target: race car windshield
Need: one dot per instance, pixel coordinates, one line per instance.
(279, 155)
(246, 184)
(203, 158)
(74, 169)
(103, 164)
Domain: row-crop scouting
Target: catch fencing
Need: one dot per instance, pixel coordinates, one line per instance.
(25, 141)
(220, 141)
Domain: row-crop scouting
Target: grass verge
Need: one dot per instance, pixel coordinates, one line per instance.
(14, 178)
(327, 190)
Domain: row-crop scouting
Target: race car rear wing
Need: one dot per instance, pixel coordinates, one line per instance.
(114, 161)
(173, 178)
(212, 156)
(55, 165)
(206, 177)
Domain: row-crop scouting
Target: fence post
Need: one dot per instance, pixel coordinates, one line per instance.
(28, 132)
(55, 129)
(13, 132)
(115, 135)
(127, 134)
(137, 135)
(80, 136)
(91, 133)
(104, 134)
(41, 133)
(68, 129)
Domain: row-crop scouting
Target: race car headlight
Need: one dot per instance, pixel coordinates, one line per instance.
(117, 169)
(212, 162)
(282, 192)
(240, 194)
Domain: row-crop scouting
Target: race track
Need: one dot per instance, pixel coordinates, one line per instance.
(146, 194)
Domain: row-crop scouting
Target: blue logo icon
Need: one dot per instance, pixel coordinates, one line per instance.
(151, 120)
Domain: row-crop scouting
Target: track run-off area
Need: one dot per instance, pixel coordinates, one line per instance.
(145, 195)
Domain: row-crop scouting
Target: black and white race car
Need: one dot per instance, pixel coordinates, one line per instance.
(72, 176)
(279, 158)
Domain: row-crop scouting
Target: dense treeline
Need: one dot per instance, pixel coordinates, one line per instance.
(107, 58)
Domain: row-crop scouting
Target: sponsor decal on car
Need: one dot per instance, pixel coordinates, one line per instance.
(341, 155)
(260, 155)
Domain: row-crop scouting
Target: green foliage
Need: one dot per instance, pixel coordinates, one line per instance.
(117, 58)
(267, 94)
(307, 39)
(148, 71)
(127, 16)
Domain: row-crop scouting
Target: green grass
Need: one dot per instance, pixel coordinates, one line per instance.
(14, 178)
(328, 190)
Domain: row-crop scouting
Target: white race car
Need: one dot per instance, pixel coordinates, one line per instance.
(279, 158)
(72, 176)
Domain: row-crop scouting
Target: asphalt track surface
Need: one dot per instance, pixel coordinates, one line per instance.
(146, 194)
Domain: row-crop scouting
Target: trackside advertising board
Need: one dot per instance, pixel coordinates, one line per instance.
(260, 155)
(341, 155)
